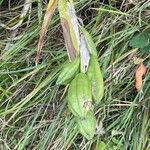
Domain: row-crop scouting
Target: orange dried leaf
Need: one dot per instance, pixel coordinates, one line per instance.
(140, 71)
(48, 15)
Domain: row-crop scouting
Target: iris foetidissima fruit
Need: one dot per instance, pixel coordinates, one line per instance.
(80, 47)
(80, 95)
(68, 72)
(93, 70)
(87, 125)
(96, 78)
(70, 28)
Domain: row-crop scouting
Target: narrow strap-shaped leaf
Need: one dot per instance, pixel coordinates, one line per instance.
(48, 15)
(70, 27)
(74, 21)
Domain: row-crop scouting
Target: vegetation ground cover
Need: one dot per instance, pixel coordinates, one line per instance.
(33, 109)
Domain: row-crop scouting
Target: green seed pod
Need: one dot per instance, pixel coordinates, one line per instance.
(80, 95)
(68, 72)
(95, 76)
(90, 43)
(87, 125)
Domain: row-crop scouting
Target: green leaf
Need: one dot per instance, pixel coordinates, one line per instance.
(145, 49)
(87, 125)
(100, 145)
(140, 40)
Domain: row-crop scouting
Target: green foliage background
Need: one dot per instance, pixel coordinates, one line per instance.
(33, 109)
